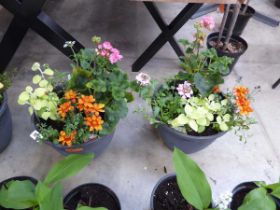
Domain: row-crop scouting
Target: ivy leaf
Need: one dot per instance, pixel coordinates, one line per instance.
(192, 181)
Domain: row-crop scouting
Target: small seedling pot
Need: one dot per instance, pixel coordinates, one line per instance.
(242, 20)
(234, 39)
(92, 195)
(240, 192)
(95, 146)
(166, 195)
(6, 126)
(18, 178)
(187, 143)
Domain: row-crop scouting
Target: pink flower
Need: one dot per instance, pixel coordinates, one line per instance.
(185, 90)
(107, 45)
(208, 22)
(115, 57)
(143, 79)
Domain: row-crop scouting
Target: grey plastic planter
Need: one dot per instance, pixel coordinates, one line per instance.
(188, 144)
(96, 146)
(6, 126)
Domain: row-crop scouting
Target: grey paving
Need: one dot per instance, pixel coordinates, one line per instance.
(135, 159)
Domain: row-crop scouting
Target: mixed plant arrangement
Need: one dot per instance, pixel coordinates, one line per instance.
(84, 105)
(5, 83)
(46, 194)
(191, 101)
(261, 197)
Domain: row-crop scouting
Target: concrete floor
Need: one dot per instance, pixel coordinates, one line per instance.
(134, 161)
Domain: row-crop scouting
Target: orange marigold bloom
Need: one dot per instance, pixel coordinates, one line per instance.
(216, 89)
(64, 108)
(94, 123)
(85, 103)
(71, 95)
(67, 140)
(96, 109)
(241, 91)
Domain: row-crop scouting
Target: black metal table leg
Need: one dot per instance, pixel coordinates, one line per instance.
(28, 14)
(167, 32)
(275, 85)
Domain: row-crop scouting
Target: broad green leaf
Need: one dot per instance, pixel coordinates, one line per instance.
(43, 83)
(36, 79)
(23, 98)
(224, 127)
(193, 125)
(48, 72)
(276, 192)
(258, 199)
(18, 195)
(40, 92)
(35, 66)
(29, 89)
(181, 120)
(192, 181)
(90, 208)
(46, 115)
(67, 167)
(53, 199)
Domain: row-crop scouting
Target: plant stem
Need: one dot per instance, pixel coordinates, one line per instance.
(245, 7)
(232, 24)
(223, 23)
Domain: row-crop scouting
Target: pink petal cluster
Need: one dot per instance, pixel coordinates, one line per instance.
(185, 90)
(208, 22)
(107, 50)
(143, 79)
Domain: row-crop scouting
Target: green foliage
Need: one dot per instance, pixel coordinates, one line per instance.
(42, 100)
(5, 83)
(90, 208)
(47, 194)
(192, 181)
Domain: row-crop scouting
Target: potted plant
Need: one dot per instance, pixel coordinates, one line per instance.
(226, 43)
(189, 110)
(28, 193)
(188, 189)
(5, 115)
(79, 114)
(256, 195)
(245, 14)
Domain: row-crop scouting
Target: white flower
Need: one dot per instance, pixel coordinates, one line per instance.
(143, 79)
(36, 66)
(69, 44)
(225, 200)
(185, 90)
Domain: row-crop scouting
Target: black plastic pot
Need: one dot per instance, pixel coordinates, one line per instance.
(187, 143)
(234, 39)
(6, 126)
(242, 20)
(240, 192)
(277, 3)
(95, 146)
(176, 198)
(18, 178)
(92, 195)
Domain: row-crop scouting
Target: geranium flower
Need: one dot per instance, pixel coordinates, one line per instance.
(67, 140)
(71, 95)
(94, 123)
(85, 103)
(108, 51)
(115, 56)
(208, 22)
(143, 79)
(185, 90)
(64, 108)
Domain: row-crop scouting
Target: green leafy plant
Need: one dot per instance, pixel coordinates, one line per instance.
(5, 83)
(46, 194)
(261, 197)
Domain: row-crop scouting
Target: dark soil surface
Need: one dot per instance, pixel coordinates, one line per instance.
(92, 196)
(168, 197)
(208, 132)
(233, 46)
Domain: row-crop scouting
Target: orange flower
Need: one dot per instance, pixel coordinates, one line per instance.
(94, 123)
(71, 95)
(64, 108)
(241, 91)
(67, 140)
(216, 89)
(96, 109)
(85, 103)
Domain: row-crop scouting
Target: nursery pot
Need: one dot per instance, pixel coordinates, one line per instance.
(213, 37)
(187, 143)
(166, 195)
(18, 178)
(240, 192)
(95, 146)
(242, 20)
(6, 126)
(92, 195)
(277, 3)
